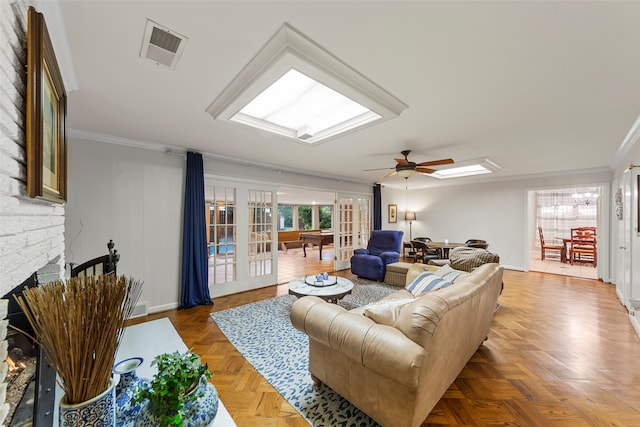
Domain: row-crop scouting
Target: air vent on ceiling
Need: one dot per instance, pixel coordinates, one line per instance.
(161, 45)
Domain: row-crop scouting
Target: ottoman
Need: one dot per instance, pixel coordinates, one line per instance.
(397, 273)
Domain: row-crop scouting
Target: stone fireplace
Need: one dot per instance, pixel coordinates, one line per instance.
(28, 381)
(31, 230)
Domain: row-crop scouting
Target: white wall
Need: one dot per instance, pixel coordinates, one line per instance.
(493, 211)
(135, 197)
(31, 230)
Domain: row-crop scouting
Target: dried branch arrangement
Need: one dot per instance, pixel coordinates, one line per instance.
(80, 323)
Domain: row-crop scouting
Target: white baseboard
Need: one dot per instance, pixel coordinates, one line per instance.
(164, 307)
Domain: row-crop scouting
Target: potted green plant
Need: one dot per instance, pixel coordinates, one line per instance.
(179, 393)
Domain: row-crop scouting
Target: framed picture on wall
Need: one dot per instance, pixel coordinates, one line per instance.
(46, 116)
(393, 214)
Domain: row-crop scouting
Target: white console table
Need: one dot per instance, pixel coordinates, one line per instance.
(147, 340)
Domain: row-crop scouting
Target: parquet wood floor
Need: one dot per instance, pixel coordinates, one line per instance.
(561, 352)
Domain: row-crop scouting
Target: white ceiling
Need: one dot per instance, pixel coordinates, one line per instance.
(538, 87)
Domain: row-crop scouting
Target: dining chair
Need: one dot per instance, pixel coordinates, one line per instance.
(583, 246)
(423, 252)
(544, 247)
(102, 265)
(431, 250)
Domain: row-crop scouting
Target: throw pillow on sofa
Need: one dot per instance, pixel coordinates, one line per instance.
(450, 274)
(427, 282)
(386, 312)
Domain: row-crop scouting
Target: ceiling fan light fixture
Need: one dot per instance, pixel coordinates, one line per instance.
(405, 168)
(406, 173)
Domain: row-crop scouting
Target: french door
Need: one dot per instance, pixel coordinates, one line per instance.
(352, 227)
(242, 233)
(240, 222)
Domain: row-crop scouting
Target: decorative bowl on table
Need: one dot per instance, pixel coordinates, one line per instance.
(321, 280)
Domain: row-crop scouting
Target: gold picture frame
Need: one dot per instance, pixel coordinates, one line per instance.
(46, 116)
(393, 214)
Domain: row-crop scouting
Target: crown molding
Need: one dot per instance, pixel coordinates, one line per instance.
(483, 179)
(181, 151)
(629, 141)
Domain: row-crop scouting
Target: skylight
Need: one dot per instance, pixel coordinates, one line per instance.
(296, 89)
(467, 168)
(299, 107)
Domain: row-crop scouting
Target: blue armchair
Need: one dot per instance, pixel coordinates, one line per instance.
(383, 248)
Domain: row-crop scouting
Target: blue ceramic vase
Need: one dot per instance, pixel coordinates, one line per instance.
(96, 412)
(126, 412)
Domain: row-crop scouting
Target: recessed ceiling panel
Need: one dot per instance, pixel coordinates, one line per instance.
(296, 89)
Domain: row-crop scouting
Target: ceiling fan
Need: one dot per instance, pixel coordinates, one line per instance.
(406, 168)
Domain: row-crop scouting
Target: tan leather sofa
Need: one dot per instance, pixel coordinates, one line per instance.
(397, 373)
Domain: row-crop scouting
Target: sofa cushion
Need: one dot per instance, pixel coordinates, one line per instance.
(449, 273)
(427, 282)
(386, 312)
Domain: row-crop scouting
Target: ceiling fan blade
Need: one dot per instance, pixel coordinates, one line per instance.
(425, 170)
(377, 169)
(436, 162)
(390, 174)
(402, 162)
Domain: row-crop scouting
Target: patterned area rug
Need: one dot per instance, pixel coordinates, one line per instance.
(263, 334)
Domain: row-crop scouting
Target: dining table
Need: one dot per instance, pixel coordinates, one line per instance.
(444, 247)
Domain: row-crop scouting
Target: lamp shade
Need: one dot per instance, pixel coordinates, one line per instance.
(409, 216)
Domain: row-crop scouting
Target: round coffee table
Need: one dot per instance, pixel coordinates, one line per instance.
(333, 292)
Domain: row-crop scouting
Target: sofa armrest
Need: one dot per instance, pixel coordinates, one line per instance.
(383, 349)
(360, 251)
(389, 257)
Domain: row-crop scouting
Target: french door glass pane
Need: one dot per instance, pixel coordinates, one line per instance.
(364, 221)
(261, 209)
(345, 228)
(221, 233)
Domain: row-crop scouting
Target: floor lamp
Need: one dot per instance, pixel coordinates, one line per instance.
(410, 216)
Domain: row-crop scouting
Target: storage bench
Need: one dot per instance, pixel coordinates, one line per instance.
(397, 273)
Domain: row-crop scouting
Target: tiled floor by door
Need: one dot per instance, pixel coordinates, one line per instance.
(554, 266)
